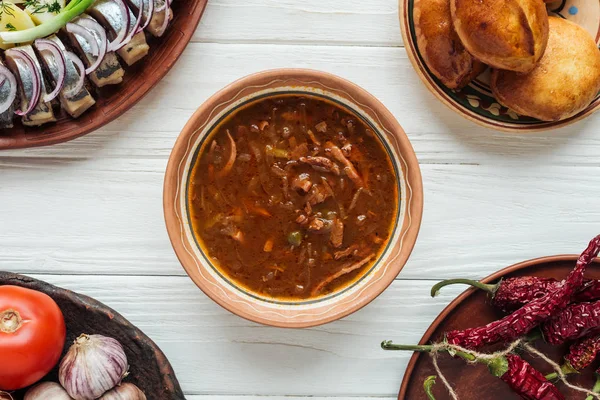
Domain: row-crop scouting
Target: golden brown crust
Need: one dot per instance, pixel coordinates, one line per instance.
(505, 34)
(440, 46)
(565, 81)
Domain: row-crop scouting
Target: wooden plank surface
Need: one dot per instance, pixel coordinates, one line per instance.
(87, 215)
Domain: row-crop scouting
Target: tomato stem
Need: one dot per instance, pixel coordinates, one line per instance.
(10, 321)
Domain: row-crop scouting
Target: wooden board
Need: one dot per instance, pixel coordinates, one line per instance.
(113, 101)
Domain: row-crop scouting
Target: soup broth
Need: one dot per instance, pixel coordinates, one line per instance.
(293, 197)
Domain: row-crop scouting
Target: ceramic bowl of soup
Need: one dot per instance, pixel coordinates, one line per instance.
(293, 197)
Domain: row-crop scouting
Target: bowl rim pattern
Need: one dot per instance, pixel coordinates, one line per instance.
(271, 311)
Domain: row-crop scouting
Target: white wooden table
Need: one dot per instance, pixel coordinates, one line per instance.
(87, 215)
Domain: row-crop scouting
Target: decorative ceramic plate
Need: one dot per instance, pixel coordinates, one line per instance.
(476, 102)
(472, 308)
(149, 368)
(114, 100)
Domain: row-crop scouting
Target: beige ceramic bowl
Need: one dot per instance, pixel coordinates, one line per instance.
(268, 310)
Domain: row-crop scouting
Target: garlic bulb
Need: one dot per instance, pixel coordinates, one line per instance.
(5, 396)
(93, 365)
(47, 391)
(125, 391)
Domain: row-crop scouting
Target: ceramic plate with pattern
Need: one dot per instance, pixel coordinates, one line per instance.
(476, 102)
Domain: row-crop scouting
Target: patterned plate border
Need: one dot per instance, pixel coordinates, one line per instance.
(475, 101)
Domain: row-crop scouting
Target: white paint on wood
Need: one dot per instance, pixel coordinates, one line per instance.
(343, 22)
(104, 216)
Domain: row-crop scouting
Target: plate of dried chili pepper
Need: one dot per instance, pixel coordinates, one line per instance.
(506, 337)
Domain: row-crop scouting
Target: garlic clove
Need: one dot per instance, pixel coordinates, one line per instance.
(93, 365)
(47, 391)
(125, 391)
(5, 396)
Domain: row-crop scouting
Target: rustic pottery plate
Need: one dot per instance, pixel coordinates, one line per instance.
(343, 301)
(149, 368)
(476, 102)
(472, 308)
(114, 100)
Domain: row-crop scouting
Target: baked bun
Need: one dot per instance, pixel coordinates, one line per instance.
(566, 80)
(505, 34)
(440, 46)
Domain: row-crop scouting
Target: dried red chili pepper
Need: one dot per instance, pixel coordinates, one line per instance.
(527, 381)
(583, 353)
(532, 314)
(510, 294)
(522, 378)
(572, 323)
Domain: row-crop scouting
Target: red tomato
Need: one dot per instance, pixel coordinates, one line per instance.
(32, 336)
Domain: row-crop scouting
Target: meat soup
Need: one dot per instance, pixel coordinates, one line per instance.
(293, 197)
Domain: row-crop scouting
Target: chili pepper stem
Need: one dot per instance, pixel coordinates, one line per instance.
(534, 336)
(595, 389)
(388, 345)
(566, 369)
(428, 386)
(483, 286)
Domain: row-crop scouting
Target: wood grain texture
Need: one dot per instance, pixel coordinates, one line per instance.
(214, 352)
(104, 216)
(251, 397)
(331, 22)
(149, 130)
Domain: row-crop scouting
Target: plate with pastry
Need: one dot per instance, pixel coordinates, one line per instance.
(514, 66)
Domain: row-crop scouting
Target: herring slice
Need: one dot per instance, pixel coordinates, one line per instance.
(42, 113)
(74, 104)
(158, 17)
(6, 118)
(109, 14)
(109, 72)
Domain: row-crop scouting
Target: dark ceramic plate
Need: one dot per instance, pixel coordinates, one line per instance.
(472, 308)
(149, 368)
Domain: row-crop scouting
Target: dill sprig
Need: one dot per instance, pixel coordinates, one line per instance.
(6, 7)
(38, 7)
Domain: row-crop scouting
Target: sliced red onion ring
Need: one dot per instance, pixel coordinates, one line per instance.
(12, 94)
(165, 23)
(117, 43)
(134, 28)
(149, 17)
(36, 85)
(81, 69)
(92, 25)
(59, 59)
(85, 34)
(161, 7)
